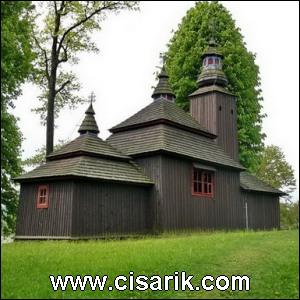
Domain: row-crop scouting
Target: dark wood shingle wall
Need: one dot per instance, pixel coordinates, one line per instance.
(182, 210)
(202, 109)
(54, 221)
(227, 124)
(102, 208)
(152, 167)
(217, 113)
(263, 210)
(86, 208)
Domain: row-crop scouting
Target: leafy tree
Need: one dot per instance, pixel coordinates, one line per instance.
(16, 66)
(66, 32)
(275, 170)
(16, 47)
(212, 19)
(10, 168)
(289, 215)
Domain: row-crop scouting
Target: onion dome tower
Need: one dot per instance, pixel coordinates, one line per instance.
(212, 72)
(163, 88)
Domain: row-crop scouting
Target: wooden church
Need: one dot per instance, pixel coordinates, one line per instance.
(161, 169)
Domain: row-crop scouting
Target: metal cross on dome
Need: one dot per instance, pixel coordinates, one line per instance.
(162, 56)
(92, 97)
(212, 28)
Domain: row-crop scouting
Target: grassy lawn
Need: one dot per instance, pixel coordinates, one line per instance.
(270, 259)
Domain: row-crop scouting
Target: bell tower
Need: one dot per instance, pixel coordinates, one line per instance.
(212, 105)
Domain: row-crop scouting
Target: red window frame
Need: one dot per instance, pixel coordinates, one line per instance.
(210, 61)
(42, 200)
(203, 182)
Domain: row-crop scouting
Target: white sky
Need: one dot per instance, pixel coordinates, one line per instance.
(122, 74)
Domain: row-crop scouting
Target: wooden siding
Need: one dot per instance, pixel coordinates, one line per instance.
(54, 221)
(202, 109)
(263, 210)
(227, 124)
(152, 167)
(217, 113)
(182, 210)
(102, 208)
(91, 208)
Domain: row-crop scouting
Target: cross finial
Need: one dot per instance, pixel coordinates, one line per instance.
(92, 97)
(212, 29)
(162, 57)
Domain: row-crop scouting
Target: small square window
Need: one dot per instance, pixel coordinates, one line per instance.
(203, 183)
(43, 196)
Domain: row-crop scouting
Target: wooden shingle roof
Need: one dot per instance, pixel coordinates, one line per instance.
(251, 183)
(212, 49)
(89, 123)
(90, 157)
(88, 144)
(161, 110)
(166, 138)
(209, 89)
(88, 167)
(163, 87)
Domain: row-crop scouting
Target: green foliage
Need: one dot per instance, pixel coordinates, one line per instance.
(275, 170)
(269, 258)
(190, 40)
(67, 28)
(16, 66)
(16, 47)
(289, 215)
(40, 155)
(10, 168)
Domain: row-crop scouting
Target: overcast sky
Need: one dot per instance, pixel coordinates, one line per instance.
(122, 74)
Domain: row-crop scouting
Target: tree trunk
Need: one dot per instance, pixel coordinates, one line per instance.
(50, 117)
(52, 88)
(51, 98)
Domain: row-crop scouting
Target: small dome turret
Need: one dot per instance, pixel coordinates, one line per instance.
(89, 124)
(163, 88)
(212, 72)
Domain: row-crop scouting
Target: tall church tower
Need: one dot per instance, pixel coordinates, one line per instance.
(212, 105)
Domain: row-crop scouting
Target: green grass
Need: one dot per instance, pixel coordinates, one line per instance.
(269, 258)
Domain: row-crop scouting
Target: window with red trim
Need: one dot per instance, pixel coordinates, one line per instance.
(210, 60)
(43, 196)
(203, 183)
